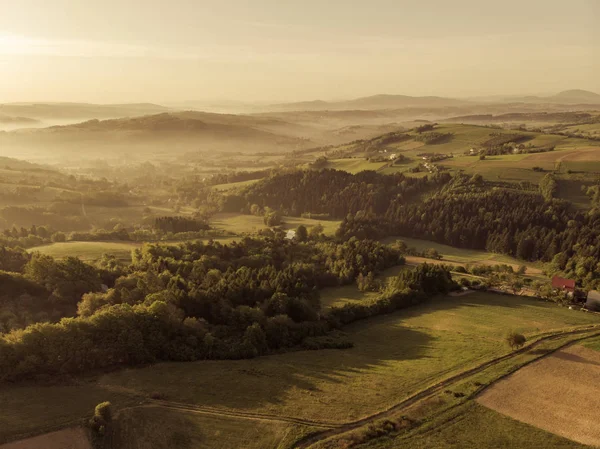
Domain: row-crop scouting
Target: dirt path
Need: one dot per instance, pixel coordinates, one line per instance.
(332, 429)
(74, 440)
(314, 438)
(235, 414)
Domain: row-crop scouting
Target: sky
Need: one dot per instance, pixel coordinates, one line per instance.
(117, 51)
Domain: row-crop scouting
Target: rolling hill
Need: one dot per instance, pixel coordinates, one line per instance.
(81, 111)
(174, 132)
(566, 97)
(381, 101)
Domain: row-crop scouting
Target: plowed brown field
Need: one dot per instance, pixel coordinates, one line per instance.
(559, 393)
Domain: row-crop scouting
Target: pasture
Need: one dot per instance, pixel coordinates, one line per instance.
(233, 185)
(245, 224)
(93, 251)
(461, 256)
(558, 394)
(165, 428)
(354, 165)
(393, 356)
(88, 251)
(33, 409)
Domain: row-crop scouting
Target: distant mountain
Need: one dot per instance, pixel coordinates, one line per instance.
(11, 120)
(375, 102)
(567, 97)
(576, 96)
(81, 111)
(165, 131)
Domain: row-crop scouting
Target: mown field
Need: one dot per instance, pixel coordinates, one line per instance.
(33, 409)
(461, 256)
(161, 428)
(88, 251)
(242, 224)
(354, 165)
(238, 224)
(393, 356)
(233, 185)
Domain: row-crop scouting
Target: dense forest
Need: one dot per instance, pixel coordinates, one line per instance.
(337, 193)
(259, 295)
(191, 301)
(462, 211)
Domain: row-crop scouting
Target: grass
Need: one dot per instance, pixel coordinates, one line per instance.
(393, 356)
(88, 251)
(30, 410)
(338, 296)
(92, 251)
(473, 426)
(242, 224)
(233, 185)
(593, 343)
(462, 256)
(354, 165)
(161, 428)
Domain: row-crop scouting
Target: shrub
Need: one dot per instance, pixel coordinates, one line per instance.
(515, 340)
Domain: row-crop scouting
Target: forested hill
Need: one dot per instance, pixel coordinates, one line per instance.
(337, 193)
(520, 224)
(191, 302)
(461, 211)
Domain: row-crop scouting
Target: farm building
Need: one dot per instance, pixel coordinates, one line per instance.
(562, 284)
(593, 300)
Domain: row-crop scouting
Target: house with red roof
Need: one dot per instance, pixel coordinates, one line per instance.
(563, 284)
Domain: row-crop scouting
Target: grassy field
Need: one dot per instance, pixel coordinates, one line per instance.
(241, 224)
(160, 428)
(92, 251)
(575, 154)
(338, 296)
(354, 165)
(88, 251)
(393, 356)
(473, 426)
(235, 223)
(28, 410)
(460, 256)
(593, 343)
(233, 185)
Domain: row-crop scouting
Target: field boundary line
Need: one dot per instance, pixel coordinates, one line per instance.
(239, 414)
(314, 438)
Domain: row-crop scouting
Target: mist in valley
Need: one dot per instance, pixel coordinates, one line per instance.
(298, 225)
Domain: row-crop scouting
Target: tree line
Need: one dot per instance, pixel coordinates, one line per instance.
(193, 301)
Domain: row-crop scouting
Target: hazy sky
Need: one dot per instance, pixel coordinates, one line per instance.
(282, 50)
